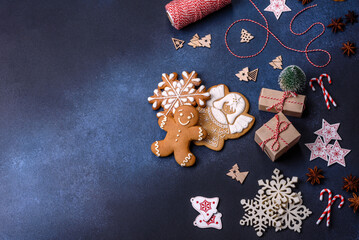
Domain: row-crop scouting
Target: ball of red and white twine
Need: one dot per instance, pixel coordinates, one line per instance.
(184, 12)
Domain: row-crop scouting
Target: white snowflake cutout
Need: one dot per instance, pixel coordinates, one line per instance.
(259, 213)
(205, 206)
(214, 222)
(279, 191)
(292, 215)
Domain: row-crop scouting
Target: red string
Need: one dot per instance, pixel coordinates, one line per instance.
(280, 104)
(275, 146)
(266, 27)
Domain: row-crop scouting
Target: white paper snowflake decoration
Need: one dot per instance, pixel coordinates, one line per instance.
(278, 190)
(293, 215)
(259, 213)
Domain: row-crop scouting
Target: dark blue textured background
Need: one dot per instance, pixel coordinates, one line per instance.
(76, 128)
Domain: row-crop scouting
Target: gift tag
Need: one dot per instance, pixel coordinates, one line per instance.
(214, 222)
(205, 206)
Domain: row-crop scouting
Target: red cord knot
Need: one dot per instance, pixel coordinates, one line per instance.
(277, 131)
(280, 104)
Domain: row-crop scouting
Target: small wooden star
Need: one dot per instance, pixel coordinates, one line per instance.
(354, 202)
(314, 175)
(337, 24)
(305, 1)
(351, 17)
(351, 183)
(349, 48)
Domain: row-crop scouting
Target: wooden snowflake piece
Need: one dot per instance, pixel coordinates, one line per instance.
(172, 93)
(177, 43)
(279, 191)
(293, 215)
(234, 173)
(276, 63)
(246, 36)
(259, 213)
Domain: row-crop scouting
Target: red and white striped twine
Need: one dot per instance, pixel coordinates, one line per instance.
(275, 146)
(331, 201)
(326, 95)
(266, 27)
(280, 104)
(184, 12)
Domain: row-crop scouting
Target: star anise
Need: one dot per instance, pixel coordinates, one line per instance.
(354, 202)
(349, 48)
(305, 1)
(337, 24)
(314, 175)
(351, 17)
(351, 183)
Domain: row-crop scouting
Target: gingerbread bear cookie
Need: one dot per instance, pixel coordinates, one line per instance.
(181, 130)
(224, 117)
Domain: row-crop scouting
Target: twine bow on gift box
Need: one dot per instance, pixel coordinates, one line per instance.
(276, 132)
(280, 104)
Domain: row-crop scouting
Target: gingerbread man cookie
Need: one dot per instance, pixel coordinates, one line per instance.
(224, 117)
(181, 130)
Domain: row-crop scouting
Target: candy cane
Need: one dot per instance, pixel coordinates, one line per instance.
(328, 206)
(325, 92)
(331, 201)
(340, 205)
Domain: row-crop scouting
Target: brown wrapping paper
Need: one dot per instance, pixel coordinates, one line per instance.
(293, 106)
(287, 138)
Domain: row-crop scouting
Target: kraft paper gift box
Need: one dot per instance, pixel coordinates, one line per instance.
(277, 136)
(274, 101)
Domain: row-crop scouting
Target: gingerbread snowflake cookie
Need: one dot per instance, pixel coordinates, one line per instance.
(181, 130)
(172, 93)
(224, 117)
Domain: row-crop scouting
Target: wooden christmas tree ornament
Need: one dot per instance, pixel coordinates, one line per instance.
(276, 63)
(194, 42)
(246, 36)
(177, 43)
(206, 41)
(234, 173)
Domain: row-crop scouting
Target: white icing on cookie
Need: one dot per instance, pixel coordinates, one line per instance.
(200, 134)
(163, 122)
(219, 115)
(186, 159)
(156, 148)
(240, 124)
(216, 93)
(183, 124)
(236, 104)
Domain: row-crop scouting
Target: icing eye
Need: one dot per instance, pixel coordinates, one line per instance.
(189, 117)
(181, 114)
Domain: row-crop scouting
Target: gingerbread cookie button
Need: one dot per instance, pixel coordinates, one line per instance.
(224, 117)
(181, 130)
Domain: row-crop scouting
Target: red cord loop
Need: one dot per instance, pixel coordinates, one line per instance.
(266, 27)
